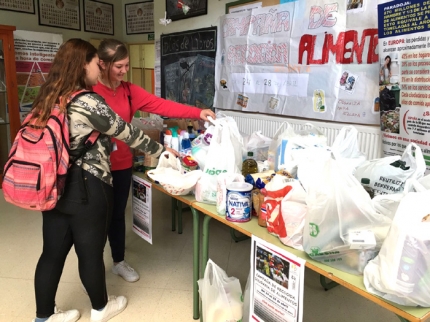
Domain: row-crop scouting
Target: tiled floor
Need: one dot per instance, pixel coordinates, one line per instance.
(164, 292)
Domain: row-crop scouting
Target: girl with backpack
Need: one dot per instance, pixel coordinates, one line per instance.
(126, 99)
(82, 216)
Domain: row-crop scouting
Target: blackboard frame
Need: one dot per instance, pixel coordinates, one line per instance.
(174, 13)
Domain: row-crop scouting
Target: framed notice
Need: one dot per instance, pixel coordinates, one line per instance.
(26, 6)
(60, 13)
(177, 10)
(139, 17)
(98, 17)
(242, 5)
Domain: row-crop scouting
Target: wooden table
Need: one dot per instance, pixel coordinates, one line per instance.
(352, 282)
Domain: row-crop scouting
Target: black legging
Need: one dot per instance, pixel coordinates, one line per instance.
(121, 188)
(84, 226)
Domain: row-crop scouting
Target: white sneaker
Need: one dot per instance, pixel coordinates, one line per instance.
(67, 316)
(125, 271)
(114, 306)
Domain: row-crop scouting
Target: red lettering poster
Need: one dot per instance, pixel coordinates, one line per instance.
(313, 59)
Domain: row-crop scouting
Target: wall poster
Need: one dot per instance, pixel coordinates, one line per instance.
(310, 59)
(142, 208)
(184, 9)
(34, 53)
(139, 17)
(25, 6)
(98, 17)
(188, 66)
(60, 13)
(404, 76)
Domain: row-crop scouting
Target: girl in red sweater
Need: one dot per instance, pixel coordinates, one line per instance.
(125, 99)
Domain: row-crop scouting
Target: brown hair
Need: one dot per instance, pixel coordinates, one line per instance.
(111, 51)
(67, 74)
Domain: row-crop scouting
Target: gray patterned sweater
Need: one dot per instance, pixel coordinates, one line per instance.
(90, 112)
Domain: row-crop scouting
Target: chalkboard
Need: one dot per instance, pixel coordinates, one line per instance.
(188, 66)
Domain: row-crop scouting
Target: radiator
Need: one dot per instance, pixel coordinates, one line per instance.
(369, 136)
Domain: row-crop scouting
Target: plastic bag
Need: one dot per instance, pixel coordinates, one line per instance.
(221, 295)
(401, 271)
(169, 174)
(279, 144)
(347, 149)
(224, 156)
(276, 190)
(337, 206)
(259, 145)
(388, 175)
(294, 210)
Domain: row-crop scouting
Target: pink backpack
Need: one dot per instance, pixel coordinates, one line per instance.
(35, 173)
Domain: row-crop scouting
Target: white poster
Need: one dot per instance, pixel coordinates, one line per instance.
(34, 53)
(277, 278)
(404, 91)
(142, 208)
(312, 59)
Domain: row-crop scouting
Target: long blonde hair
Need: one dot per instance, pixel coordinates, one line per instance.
(67, 75)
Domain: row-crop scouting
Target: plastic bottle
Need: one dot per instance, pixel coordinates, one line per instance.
(249, 165)
(365, 182)
(186, 144)
(175, 141)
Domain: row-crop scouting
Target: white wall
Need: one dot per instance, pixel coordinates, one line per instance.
(25, 21)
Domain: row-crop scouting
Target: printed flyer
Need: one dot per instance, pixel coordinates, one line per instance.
(404, 76)
(311, 59)
(34, 53)
(277, 278)
(142, 208)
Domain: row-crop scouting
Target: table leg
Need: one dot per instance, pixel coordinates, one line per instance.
(179, 203)
(174, 203)
(196, 259)
(402, 319)
(236, 238)
(205, 250)
(327, 285)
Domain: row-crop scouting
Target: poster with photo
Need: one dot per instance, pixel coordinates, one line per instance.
(309, 59)
(25, 6)
(404, 76)
(277, 284)
(60, 13)
(142, 208)
(34, 53)
(139, 17)
(98, 17)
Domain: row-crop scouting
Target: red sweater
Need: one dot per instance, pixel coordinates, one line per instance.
(143, 101)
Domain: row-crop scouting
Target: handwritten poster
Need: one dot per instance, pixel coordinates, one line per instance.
(34, 53)
(312, 59)
(404, 76)
(188, 66)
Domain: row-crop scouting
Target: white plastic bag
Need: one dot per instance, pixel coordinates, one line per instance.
(259, 145)
(279, 145)
(224, 156)
(223, 180)
(169, 174)
(337, 206)
(294, 210)
(347, 149)
(386, 178)
(401, 271)
(221, 295)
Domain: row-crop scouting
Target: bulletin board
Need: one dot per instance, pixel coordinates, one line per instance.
(188, 66)
(310, 59)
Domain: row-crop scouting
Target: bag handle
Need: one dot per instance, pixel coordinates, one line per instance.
(280, 129)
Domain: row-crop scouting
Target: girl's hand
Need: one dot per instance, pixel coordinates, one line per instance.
(174, 152)
(205, 113)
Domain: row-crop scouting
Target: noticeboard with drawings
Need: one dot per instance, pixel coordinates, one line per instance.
(188, 67)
